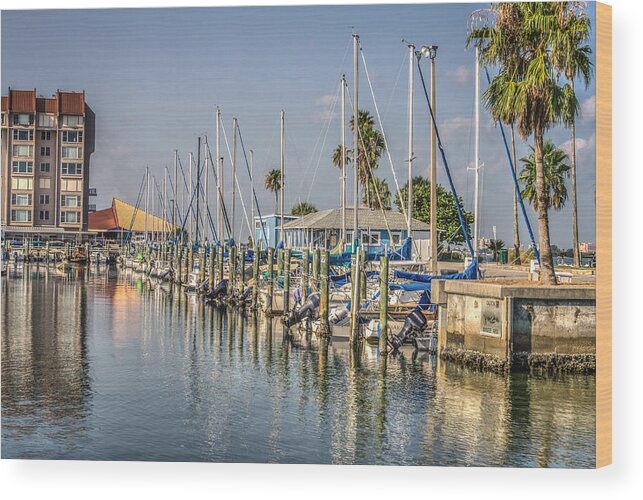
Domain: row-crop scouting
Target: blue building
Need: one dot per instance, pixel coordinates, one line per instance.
(268, 235)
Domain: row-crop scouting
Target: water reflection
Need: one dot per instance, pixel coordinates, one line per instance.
(106, 365)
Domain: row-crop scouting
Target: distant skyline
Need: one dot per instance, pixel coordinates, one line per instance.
(154, 77)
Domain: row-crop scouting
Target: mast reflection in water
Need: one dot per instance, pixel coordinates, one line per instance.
(105, 366)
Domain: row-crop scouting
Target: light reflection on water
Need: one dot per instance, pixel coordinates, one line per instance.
(103, 366)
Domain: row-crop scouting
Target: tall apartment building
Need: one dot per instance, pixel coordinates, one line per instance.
(46, 147)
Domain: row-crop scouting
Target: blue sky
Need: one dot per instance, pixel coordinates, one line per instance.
(154, 76)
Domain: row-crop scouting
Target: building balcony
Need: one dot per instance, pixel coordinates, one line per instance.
(91, 207)
(92, 192)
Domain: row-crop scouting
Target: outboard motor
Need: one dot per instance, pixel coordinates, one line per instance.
(218, 291)
(337, 314)
(414, 323)
(308, 309)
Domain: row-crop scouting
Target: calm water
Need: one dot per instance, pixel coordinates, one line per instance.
(106, 367)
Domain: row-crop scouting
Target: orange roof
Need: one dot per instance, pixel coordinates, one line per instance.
(5, 103)
(22, 101)
(122, 215)
(72, 103)
(44, 105)
(25, 101)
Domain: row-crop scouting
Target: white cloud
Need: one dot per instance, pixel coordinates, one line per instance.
(588, 108)
(325, 108)
(582, 144)
(462, 74)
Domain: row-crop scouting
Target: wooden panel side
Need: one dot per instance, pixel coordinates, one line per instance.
(603, 235)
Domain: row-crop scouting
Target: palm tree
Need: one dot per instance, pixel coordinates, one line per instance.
(572, 59)
(526, 88)
(272, 181)
(371, 147)
(495, 246)
(556, 170)
(378, 194)
(303, 208)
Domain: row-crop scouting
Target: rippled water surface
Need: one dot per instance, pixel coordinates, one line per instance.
(103, 366)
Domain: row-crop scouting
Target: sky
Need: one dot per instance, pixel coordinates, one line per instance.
(154, 77)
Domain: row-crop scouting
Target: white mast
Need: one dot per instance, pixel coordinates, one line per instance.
(409, 209)
(219, 179)
(434, 168)
(190, 197)
(174, 188)
(355, 141)
(207, 203)
(476, 202)
(252, 192)
(343, 164)
(234, 175)
(147, 197)
(165, 224)
(282, 180)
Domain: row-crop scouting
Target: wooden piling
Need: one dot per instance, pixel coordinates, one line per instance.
(280, 262)
(362, 276)
(232, 254)
(201, 265)
(255, 278)
(324, 325)
(383, 304)
(286, 282)
(220, 257)
(242, 270)
(211, 267)
(316, 255)
(355, 295)
(190, 259)
(304, 276)
(270, 292)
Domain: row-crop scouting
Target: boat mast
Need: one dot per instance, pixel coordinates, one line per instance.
(409, 205)
(282, 180)
(147, 197)
(165, 227)
(234, 174)
(355, 142)
(191, 211)
(174, 188)
(343, 90)
(198, 186)
(476, 202)
(206, 224)
(252, 191)
(219, 177)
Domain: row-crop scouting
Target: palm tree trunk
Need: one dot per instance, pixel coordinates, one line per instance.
(276, 201)
(547, 274)
(516, 228)
(576, 246)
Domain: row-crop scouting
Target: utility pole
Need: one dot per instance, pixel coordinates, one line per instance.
(434, 172)
(476, 153)
(409, 206)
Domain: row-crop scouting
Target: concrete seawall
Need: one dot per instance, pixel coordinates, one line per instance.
(499, 326)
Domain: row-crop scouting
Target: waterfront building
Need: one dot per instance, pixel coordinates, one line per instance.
(268, 235)
(323, 228)
(115, 222)
(47, 143)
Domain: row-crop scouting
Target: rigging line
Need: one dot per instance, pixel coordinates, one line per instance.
(178, 211)
(397, 79)
(310, 188)
(138, 200)
(516, 186)
(226, 220)
(254, 192)
(236, 181)
(445, 164)
(379, 119)
(369, 170)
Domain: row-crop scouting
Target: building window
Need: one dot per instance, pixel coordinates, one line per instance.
(72, 121)
(45, 151)
(21, 215)
(71, 169)
(24, 119)
(22, 134)
(72, 136)
(4, 118)
(22, 167)
(397, 237)
(21, 200)
(45, 135)
(44, 183)
(44, 215)
(70, 217)
(45, 167)
(21, 183)
(46, 121)
(70, 200)
(70, 185)
(73, 152)
(22, 151)
(44, 199)
(370, 239)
